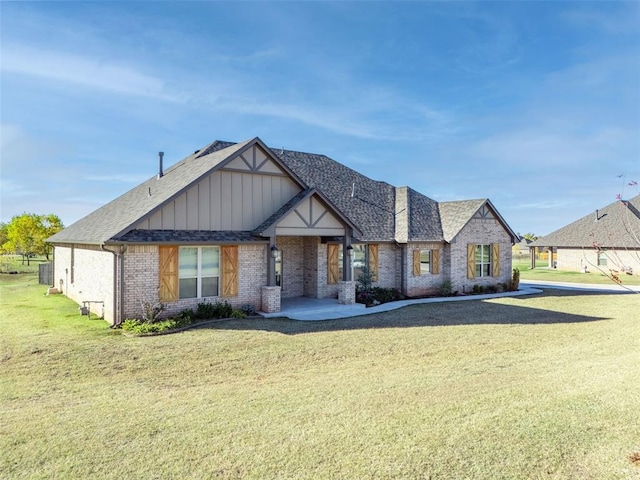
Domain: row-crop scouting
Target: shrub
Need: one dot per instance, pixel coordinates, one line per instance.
(378, 295)
(151, 311)
(223, 310)
(237, 313)
(446, 289)
(140, 327)
(185, 317)
(365, 280)
(477, 289)
(514, 283)
(205, 310)
(248, 309)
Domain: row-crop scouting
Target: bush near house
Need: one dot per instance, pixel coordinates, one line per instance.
(204, 311)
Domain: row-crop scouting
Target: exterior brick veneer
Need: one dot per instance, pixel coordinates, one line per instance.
(490, 231)
(575, 259)
(427, 283)
(271, 299)
(88, 277)
(346, 292)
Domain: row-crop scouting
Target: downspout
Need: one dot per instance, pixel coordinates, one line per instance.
(118, 313)
(53, 267)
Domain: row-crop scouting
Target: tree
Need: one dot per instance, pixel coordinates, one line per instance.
(530, 236)
(26, 234)
(3, 235)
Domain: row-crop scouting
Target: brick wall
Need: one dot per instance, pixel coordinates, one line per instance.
(88, 277)
(311, 266)
(427, 283)
(478, 231)
(389, 271)
(142, 280)
(575, 259)
(293, 265)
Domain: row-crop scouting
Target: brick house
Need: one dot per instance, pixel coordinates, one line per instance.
(250, 225)
(607, 239)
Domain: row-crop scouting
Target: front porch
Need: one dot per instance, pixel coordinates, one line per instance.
(309, 309)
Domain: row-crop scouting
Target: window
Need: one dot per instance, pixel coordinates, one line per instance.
(425, 261)
(364, 255)
(359, 259)
(602, 259)
(199, 272)
(483, 260)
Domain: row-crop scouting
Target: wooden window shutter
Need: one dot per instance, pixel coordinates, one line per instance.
(416, 263)
(229, 270)
(333, 269)
(435, 262)
(373, 261)
(168, 291)
(495, 259)
(471, 260)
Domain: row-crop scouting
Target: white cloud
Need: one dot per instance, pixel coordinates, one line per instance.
(93, 73)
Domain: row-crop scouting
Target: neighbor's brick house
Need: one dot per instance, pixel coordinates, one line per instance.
(607, 239)
(251, 225)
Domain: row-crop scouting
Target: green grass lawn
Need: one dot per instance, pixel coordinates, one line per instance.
(542, 272)
(535, 387)
(16, 263)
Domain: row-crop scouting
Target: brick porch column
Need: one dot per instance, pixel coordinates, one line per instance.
(270, 299)
(347, 292)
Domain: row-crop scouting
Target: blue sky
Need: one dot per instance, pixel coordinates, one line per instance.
(535, 105)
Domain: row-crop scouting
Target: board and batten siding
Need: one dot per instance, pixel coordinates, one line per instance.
(228, 199)
(310, 217)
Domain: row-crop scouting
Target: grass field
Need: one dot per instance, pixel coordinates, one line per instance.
(542, 272)
(16, 263)
(536, 387)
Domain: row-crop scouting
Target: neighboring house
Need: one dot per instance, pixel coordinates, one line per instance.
(522, 249)
(607, 239)
(251, 225)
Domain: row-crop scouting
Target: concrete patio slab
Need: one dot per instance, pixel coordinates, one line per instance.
(314, 309)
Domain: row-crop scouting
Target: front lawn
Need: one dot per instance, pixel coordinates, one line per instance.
(543, 272)
(542, 386)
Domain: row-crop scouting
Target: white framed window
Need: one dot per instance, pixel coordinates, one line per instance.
(199, 272)
(483, 260)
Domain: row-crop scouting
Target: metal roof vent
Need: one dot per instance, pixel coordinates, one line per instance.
(160, 172)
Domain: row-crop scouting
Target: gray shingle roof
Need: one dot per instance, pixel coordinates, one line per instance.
(615, 226)
(368, 205)
(455, 215)
(114, 218)
(199, 237)
(425, 221)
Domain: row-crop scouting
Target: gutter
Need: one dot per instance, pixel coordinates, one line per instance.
(118, 313)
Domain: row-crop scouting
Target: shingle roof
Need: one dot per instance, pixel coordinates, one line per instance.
(455, 215)
(368, 205)
(615, 226)
(188, 236)
(425, 221)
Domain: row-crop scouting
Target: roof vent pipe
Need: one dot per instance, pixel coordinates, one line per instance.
(160, 172)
